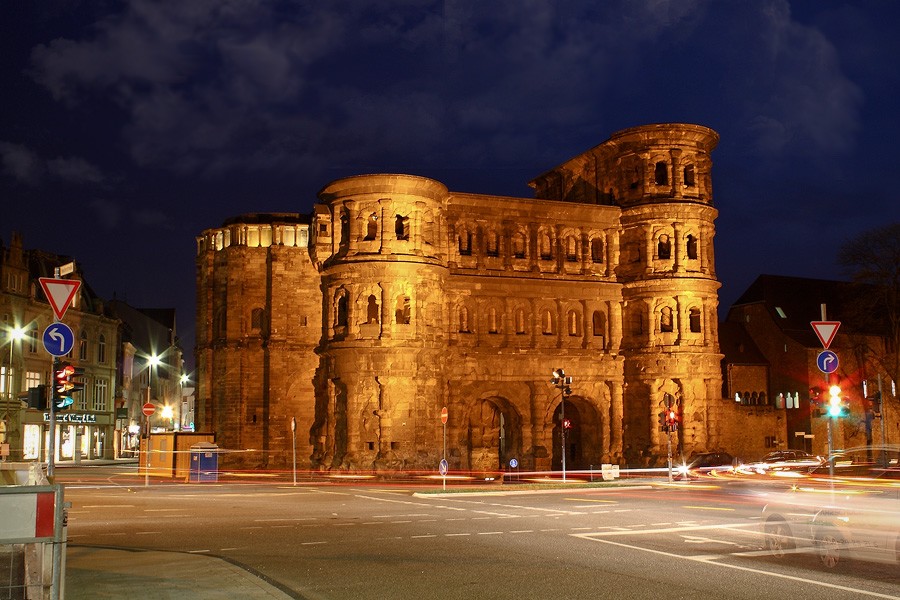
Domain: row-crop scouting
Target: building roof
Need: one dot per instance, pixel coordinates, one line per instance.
(794, 302)
(737, 346)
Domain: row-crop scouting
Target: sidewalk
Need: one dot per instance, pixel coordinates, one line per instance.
(98, 573)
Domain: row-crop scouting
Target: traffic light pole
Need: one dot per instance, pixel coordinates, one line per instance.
(51, 401)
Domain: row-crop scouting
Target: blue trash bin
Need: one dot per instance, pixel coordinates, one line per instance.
(204, 462)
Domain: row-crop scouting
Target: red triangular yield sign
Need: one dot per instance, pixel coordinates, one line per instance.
(825, 330)
(60, 293)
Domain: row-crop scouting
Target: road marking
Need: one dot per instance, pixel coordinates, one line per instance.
(523, 531)
(162, 509)
(416, 537)
(676, 529)
(490, 533)
(709, 508)
(148, 532)
(714, 560)
(106, 506)
(456, 534)
(197, 551)
(312, 543)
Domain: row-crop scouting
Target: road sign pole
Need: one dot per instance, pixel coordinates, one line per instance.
(51, 400)
(294, 445)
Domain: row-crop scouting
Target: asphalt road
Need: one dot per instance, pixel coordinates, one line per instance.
(373, 541)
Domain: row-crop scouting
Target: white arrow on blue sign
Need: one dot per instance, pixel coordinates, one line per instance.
(827, 361)
(58, 339)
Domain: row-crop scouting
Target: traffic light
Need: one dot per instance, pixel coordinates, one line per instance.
(875, 402)
(815, 401)
(66, 381)
(567, 424)
(37, 397)
(663, 420)
(836, 406)
(672, 419)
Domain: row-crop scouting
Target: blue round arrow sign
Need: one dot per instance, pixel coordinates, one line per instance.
(827, 361)
(58, 339)
(443, 467)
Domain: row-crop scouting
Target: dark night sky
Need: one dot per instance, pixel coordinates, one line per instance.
(129, 127)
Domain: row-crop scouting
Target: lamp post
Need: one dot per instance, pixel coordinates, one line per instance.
(562, 382)
(152, 361)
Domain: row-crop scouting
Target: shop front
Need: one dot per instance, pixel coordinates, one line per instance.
(80, 435)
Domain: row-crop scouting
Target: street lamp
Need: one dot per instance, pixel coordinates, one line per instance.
(562, 382)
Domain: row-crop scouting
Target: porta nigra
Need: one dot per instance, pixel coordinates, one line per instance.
(397, 297)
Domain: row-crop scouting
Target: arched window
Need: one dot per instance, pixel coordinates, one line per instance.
(428, 230)
(689, 176)
(401, 227)
(493, 244)
(492, 320)
(345, 229)
(519, 245)
(547, 323)
(545, 246)
(664, 247)
(694, 318)
(691, 247)
(83, 346)
(598, 323)
(372, 227)
(463, 319)
(597, 250)
(661, 173)
(520, 322)
(372, 309)
(341, 316)
(637, 322)
(666, 322)
(573, 322)
(465, 243)
(571, 249)
(402, 310)
(101, 349)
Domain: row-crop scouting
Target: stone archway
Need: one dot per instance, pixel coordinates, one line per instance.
(584, 438)
(495, 434)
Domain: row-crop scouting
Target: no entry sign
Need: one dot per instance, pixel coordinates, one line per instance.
(148, 409)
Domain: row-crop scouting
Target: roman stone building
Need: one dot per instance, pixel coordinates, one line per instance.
(397, 297)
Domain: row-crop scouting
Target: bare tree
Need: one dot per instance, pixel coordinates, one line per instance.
(873, 260)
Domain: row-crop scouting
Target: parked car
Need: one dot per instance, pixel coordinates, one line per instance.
(847, 507)
(792, 456)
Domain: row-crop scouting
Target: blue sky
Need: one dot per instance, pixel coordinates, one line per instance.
(128, 127)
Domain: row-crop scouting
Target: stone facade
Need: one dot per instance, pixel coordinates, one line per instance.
(397, 297)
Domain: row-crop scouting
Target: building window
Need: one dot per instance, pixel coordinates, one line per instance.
(372, 227)
(661, 173)
(637, 323)
(323, 228)
(689, 176)
(372, 310)
(597, 250)
(547, 323)
(101, 390)
(546, 249)
(345, 230)
(465, 243)
(492, 320)
(402, 311)
(574, 323)
(493, 244)
(520, 322)
(519, 246)
(83, 347)
(401, 227)
(256, 319)
(32, 379)
(341, 316)
(664, 247)
(691, 247)
(571, 249)
(428, 230)
(598, 324)
(101, 349)
(694, 318)
(666, 322)
(32, 339)
(463, 320)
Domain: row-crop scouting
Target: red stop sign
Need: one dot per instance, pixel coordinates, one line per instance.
(444, 415)
(148, 409)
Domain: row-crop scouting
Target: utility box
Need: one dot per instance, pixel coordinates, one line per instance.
(204, 462)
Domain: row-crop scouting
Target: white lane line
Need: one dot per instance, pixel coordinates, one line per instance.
(714, 560)
(197, 551)
(490, 533)
(312, 543)
(456, 534)
(417, 537)
(523, 531)
(147, 532)
(674, 529)
(106, 506)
